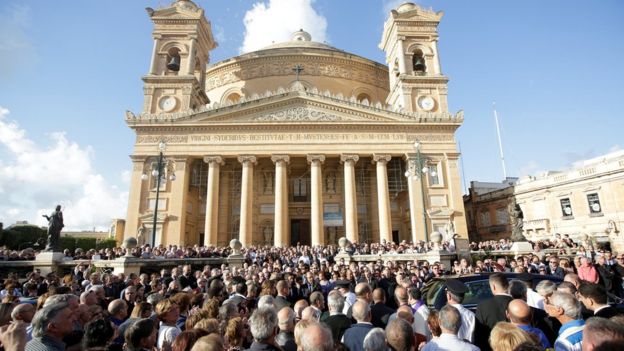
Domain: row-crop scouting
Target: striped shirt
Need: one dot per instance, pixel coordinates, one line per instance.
(570, 336)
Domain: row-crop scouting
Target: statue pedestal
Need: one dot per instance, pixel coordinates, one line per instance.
(521, 248)
(442, 256)
(126, 265)
(48, 262)
(236, 260)
(343, 255)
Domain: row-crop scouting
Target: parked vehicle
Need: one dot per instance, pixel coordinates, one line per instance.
(478, 288)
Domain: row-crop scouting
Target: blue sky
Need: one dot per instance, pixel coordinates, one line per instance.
(69, 70)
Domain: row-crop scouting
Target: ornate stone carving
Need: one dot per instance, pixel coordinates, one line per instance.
(280, 158)
(247, 158)
(381, 158)
(297, 114)
(316, 157)
(213, 158)
(349, 158)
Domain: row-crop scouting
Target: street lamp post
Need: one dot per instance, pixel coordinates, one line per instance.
(158, 172)
(419, 169)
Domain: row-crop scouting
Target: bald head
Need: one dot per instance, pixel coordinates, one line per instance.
(400, 293)
(379, 295)
(23, 312)
(317, 337)
(405, 312)
(310, 314)
(299, 307)
(572, 278)
(519, 312)
(286, 319)
(361, 311)
(363, 291)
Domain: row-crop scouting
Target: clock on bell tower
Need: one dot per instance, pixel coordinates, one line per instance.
(182, 42)
(410, 39)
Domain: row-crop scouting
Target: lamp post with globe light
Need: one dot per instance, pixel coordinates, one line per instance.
(158, 172)
(418, 168)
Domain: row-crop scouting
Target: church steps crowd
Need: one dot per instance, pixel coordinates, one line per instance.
(304, 298)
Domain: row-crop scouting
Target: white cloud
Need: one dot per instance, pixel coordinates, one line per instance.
(531, 168)
(35, 178)
(277, 20)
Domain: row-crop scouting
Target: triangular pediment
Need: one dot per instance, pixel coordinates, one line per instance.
(296, 109)
(178, 10)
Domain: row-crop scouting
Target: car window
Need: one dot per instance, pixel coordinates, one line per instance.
(478, 291)
(432, 288)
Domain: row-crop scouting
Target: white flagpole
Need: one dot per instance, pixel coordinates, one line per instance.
(500, 143)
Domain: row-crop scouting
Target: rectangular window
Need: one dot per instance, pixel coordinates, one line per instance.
(502, 216)
(435, 174)
(485, 219)
(162, 204)
(594, 203)
(566, 207)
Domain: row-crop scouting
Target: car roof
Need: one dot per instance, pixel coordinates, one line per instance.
(480, 276)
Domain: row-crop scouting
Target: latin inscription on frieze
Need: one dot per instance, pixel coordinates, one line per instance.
(286, 138)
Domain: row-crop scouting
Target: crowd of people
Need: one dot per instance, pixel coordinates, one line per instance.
(305, 298)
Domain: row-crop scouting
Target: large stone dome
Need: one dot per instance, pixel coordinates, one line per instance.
(318, 64)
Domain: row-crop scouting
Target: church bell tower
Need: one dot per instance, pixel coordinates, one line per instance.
(182, 42)
(410, 39)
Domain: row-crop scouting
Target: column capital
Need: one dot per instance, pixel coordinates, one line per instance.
(385, 158)
(247, 158)
(213, 159)
(280, 158)
(316, 157)
(348, 158)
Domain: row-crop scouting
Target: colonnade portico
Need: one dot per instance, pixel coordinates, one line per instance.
(281, 228)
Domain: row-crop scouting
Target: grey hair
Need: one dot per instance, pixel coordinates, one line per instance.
(546, 287)
(570, 305)
(60, 298)
(96, 288)
(154, 299)
(450, 319)
(263, 323)
(44, 316)
(266, 301)
(518, 289)
(335, 301)
(308, 339)
(361, 311)
(375, 340)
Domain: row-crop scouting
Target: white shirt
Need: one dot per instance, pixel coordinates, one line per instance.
(449, 342)
(466, 330)
(166, 336)
(534, 299)
(420, 321)
(349, 300)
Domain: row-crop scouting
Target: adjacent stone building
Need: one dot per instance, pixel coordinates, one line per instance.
(487, 210)
(299, 142)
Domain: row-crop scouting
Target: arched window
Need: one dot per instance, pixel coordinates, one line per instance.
(173, 59)
(233, 98)
(418, 62)
(363, 96)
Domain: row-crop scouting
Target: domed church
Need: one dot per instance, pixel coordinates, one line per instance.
(298, 142)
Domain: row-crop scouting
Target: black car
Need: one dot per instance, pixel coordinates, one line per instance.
(478, 285)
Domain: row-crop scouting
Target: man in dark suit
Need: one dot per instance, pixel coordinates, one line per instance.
(187, 279)
(364, 293)
(594, 297)
(337, 321)
(553, 267)
(281, 300)
(491, 311)
(354, 337)
(379, 311)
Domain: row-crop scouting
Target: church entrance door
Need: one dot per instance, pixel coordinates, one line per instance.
(299, 231)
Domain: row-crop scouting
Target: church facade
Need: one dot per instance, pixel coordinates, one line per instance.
(298, 142)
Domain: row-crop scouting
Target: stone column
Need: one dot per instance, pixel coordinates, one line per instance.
(176, 205)
(212, 200)
(245, 228)
(351, 223)
(383, 197)
(152, 69)
(436, 60)
(415, 200)
(316, 221)
(135, 197)
(190, 67)
(401, 56)
(281, 200)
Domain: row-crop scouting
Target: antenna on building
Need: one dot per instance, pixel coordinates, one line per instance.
(461, 159)
(500, 143)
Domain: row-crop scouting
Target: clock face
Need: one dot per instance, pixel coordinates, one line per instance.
(427, 103)
(168, 103)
